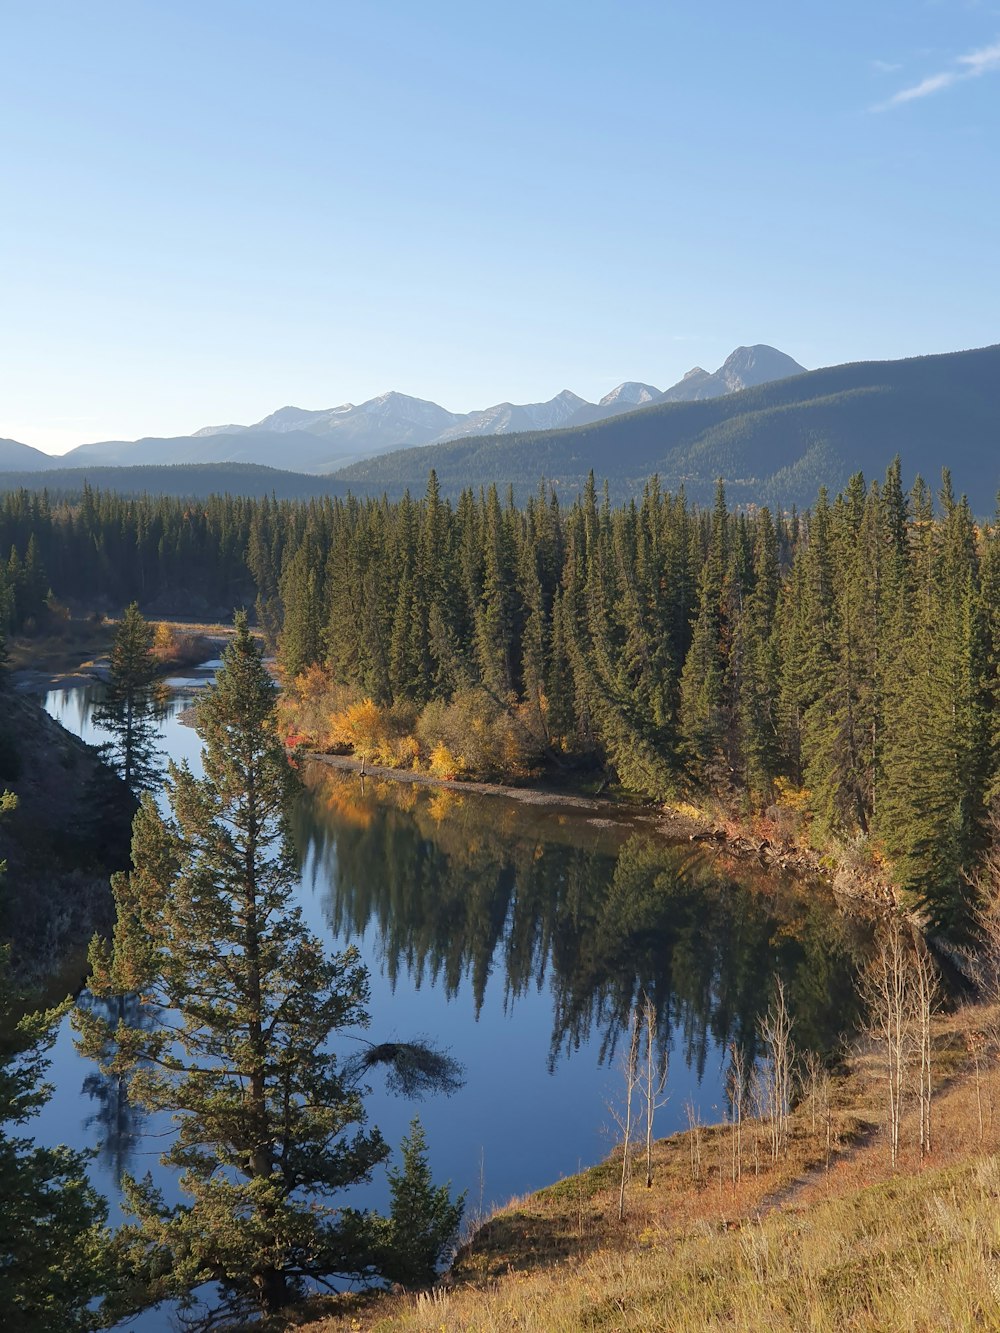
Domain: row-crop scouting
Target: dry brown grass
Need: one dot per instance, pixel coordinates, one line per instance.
(67, 644)
(808, 1244)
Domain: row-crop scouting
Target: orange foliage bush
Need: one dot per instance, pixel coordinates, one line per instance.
(442, 763)
(164, 642)
(361, 727)
(307, 703)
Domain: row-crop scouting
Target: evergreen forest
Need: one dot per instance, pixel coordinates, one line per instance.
(839, 663)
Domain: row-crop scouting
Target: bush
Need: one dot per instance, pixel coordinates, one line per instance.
(164, 642)
(442, 763)
(479, 735)
(381, 735)
(308, 704)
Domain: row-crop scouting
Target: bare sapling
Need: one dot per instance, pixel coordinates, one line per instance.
(694, 1138)
(814, 1088)
(776, 1033)
(889, 991)
(630, 1072)
(736, 1087)
(759, 1111)
(654, 1078)
(926, 995)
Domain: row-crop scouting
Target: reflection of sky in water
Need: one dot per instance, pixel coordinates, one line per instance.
(520, 1124)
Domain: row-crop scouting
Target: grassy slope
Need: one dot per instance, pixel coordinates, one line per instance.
(809, 1244)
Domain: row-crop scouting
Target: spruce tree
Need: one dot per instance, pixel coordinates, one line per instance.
(53, 1246)
(423, 1218)
(268, 1129)
(842, 720)
(127, 710)
(936, 752)
(300, 643)
(757, 696)
(703, 695)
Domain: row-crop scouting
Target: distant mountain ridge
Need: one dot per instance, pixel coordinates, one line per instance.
(775, 443)
(326, 439)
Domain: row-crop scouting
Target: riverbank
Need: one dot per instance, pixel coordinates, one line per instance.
(671, 824)
(71, 827)
(828, 1237)
(65, 663)
(764, 843)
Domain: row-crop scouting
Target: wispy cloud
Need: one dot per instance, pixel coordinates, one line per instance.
(979, 62)
(885, 66)
(962, 68)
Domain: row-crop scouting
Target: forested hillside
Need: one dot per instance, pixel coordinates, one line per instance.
(775, 444)
(183, 480)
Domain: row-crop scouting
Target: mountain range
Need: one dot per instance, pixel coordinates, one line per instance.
(774, 442)
(324, 440)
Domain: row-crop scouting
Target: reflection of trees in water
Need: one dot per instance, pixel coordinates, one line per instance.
(118, 1121)
(459, 895)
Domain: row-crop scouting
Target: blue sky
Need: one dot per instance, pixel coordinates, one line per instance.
(212, 208)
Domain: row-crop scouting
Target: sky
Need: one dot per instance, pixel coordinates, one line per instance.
(210, 209)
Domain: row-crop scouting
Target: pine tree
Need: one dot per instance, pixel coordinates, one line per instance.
(842, 720)
(757, 698)
(53, 1246)
(936, 751)
(267, 1127)
(127, 711)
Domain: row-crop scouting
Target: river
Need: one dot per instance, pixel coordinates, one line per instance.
(517, 937)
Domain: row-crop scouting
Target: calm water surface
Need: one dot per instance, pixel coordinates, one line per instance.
(517, 937)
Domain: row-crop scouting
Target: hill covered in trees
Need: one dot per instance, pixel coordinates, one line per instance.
(775, 444)
(179, 480)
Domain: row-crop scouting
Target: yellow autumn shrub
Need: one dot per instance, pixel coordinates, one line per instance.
(360, 726)
(307, 704)
(484, 737)
(790, 797)
(442, 763)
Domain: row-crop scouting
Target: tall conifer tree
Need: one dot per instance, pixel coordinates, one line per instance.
(267, 1129)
